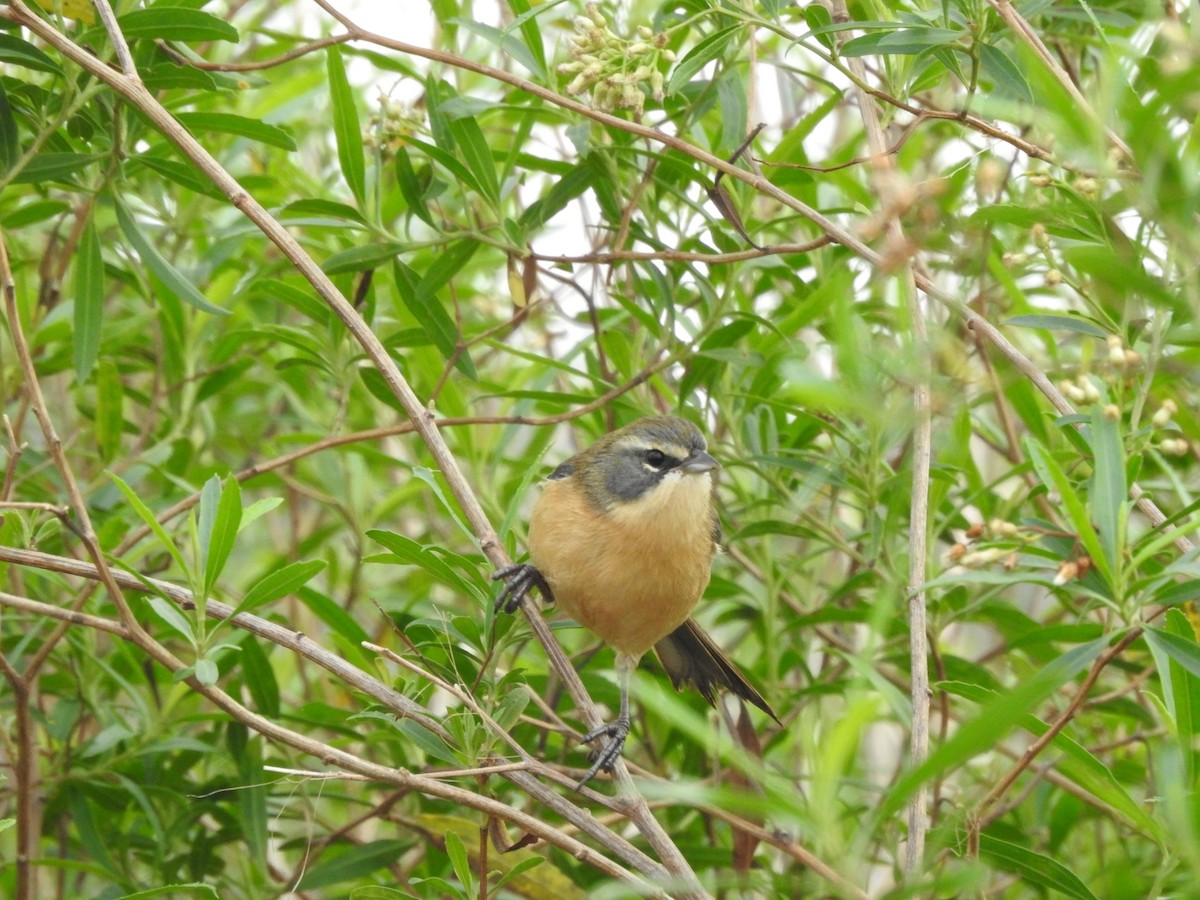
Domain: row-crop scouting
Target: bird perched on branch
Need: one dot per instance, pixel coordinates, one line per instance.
(622, 538)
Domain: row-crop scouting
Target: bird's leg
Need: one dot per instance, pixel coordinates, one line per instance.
(518, 580)
(617, 730)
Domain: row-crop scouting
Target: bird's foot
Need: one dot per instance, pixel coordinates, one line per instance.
(606, 757)
(518, 580)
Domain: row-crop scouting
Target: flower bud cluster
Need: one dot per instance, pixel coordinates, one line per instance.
(389, 129)
(1172, 444)
(613, 68)
(1121, 356)
(1082, 391)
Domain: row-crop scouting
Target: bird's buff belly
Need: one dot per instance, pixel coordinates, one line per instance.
(614, 596)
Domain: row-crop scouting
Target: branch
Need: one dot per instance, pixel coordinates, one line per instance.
(330, 754)
(918, 526)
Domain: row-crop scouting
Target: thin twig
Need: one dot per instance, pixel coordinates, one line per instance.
(337, 756)
(918, 805)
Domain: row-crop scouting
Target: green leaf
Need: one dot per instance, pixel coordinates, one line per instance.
(346, 128)
(526, 21)
(316, 206)
(228, 123)
(62, 167)
(994, 721)
(32, 213)
(17, 52)
(410, 187)
(10, 144)
(458, 859)
(169, 613)
(182, 173)
(259, 678)
(477, 155)
(220, 513)
(1107, 493)
(110, 416)
(903, 41)
(174, 23)
(1180, 649)
(298, 299)
(562, 192)
(354, 863)
(1034, 867)
(186, 889)
(362, 257)
(426, 558)
(89, 301)
(152, 523)
(334, 616)
(166, 273)
(1055, 479)
(433, 318)
(698, 57)
(512, 704)
(1002, 70)
(509, 44)
(428, 742)
(1058, 323)
(448, 161)
(206, 671)
(279, 583)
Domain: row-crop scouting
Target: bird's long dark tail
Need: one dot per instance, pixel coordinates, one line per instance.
(690, 657)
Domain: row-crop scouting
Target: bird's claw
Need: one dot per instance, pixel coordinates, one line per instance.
(518, 581)
(606, 757)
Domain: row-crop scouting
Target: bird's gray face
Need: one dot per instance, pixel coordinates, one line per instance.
(649, 451)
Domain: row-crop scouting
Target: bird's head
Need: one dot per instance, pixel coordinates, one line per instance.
(651, 459)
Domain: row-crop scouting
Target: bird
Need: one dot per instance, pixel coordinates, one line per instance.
(622, 538)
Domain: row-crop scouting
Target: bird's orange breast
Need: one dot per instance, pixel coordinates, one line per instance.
(632, 574)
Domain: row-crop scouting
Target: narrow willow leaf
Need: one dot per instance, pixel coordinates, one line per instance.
(346, 128)
(994, 721)
(1058, 323)
(410, 552)
(563, 191)
(152, 523)
(279, 583)
(110, 410)
(905, 42)
(429, 743)
(1107, 492)
(477, 155)
(17, 52)
(228, 123)
(156, 263)
(173, 23)
(1002, 70)
(698, 57)
(1180, 649)
(89, 302)
(10, 146)
(218, 532)
(1034, 867)
(1055, 479)
(433, 318)
(458, 859)
(260, 678)
(357, 862)
(169, 613)
(361, 258)
(64, 167)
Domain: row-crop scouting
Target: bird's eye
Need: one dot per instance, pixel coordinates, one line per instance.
(655, 458)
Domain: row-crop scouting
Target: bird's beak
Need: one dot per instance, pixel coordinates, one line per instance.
(699, 462)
